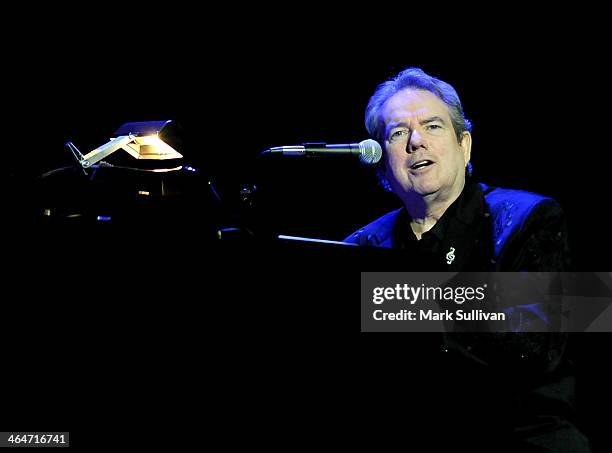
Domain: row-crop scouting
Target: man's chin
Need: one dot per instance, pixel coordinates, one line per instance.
(422, 192)
(425, 191)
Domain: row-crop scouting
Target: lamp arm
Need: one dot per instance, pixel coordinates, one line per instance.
(102, 151)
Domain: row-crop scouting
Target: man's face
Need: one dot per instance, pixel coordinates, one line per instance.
(423, 155)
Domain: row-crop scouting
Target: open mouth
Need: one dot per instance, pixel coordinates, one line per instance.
(421, 164)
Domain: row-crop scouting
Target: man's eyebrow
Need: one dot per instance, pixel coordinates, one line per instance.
(428, 120)
(433, 119)
(394, 125)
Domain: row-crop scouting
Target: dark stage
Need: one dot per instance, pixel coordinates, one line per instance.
(124, 331)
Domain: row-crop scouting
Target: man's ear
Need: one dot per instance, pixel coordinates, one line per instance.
(466, 146)
(382, 164)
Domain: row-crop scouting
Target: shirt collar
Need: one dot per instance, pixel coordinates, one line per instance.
(465, 209)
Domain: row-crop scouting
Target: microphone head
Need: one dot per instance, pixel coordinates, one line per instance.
(370, 152)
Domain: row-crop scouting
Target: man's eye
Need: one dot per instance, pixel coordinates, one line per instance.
(433, 127)
(400, 133)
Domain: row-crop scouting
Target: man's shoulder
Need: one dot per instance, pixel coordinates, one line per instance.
(495, 196)
(518, 214)
(510, 209)
(377, 233)
(516, 205)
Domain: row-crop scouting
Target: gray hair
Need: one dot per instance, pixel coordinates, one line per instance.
(417, 79)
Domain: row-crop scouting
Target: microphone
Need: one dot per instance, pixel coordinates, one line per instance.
(369, 151)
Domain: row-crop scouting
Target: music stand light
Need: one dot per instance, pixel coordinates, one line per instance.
(142, 140)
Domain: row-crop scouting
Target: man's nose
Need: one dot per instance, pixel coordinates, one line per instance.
(415, 141)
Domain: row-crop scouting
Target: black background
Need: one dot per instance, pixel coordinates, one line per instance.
(538, 126)
(540, 119)
(541, 123)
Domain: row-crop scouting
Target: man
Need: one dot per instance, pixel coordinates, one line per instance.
(450, 223)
